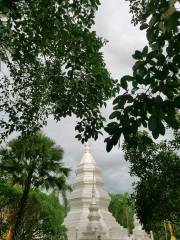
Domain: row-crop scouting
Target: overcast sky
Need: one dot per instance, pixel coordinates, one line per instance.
(113, 22)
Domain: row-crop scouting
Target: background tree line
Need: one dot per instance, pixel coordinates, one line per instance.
(157, 191)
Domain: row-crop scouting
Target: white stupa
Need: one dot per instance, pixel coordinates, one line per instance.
(89, 218)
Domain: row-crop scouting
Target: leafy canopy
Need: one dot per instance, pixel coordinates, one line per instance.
(157, 191)
(32, 161)
(150, 98)
(53, 65)
(34, 156)
(43, 214)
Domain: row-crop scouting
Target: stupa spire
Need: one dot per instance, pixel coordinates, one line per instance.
(93, 208)
(87, 148)
(93, 205)
(94, 227)
(87, 157)
(93, 189)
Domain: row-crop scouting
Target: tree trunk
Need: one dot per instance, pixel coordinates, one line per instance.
(22, 205)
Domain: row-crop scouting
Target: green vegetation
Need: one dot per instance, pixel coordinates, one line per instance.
(32, 162)
(151, 95)
(43, 215)
(54, 66)
(157, 191)
(121, 207)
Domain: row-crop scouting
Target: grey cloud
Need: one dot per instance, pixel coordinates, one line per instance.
(114, 169)
(113, 22)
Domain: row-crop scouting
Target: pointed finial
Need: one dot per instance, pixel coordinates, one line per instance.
(87, 147)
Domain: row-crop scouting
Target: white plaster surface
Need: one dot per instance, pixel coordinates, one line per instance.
(88, 176)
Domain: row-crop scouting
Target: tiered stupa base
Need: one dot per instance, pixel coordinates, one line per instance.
(88, 177)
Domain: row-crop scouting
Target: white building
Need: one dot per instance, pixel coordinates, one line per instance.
(89, 218)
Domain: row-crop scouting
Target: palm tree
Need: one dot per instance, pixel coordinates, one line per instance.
(33, 161)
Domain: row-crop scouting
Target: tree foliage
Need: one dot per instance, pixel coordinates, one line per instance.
(35, 155)
(121, 207)
(151, 96)
(54, 65)
(43, 216)
(33, 162)
(157, 191)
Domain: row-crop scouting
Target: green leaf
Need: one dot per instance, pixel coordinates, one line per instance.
(144, 26)
(112, 127)
(121, 100)
(150, 36)
(171, 121)
(135, 84)
(137, 65)
(155, 46)
(151, 55)
(145, 51)
(115, 114)
(124, 80)
(152, 21)
(152, 123)
(161, 59)
(109, 144)
(158, 100)
(113, 140)
(155, 134)
(78, 136)
(127, 78)
(5, 4)
(137, 55)
(144, 123)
